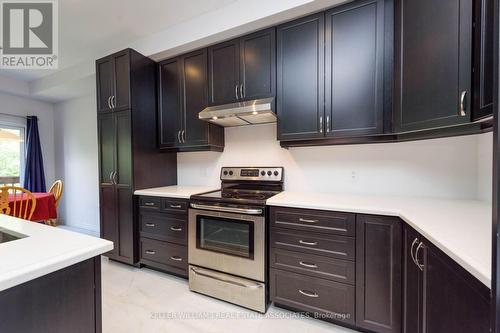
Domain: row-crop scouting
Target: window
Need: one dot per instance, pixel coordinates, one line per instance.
(11, 153)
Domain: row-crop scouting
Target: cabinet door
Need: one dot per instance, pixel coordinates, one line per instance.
(483, 59)
(224, 72)
(354, 78)
(378, 273)
(109, 223)
(300, 78)
(453, 300)
(106, 132)
(170, 103)
(433, 66)
(194, 67)
(258, 64)
(122, 81)
(105, 85)
(412, 286)
(123, 165)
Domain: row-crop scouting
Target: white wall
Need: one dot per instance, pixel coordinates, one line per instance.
(485, 167)
(436, 168)
(77, 161)
(22, 106)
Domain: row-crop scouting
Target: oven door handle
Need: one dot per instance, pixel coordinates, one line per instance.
(218, 278)
(248, 211)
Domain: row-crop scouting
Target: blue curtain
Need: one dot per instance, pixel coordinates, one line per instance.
(34, 176)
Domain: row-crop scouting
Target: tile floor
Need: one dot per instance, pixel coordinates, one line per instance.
(143, 300)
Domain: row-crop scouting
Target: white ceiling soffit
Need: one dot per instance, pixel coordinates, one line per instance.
(219, 20)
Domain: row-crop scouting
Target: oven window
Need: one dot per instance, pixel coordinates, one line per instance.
(234, 237)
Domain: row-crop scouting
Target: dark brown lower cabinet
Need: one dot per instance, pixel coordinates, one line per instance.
(68, 300)
(440, 296)
(378, 273)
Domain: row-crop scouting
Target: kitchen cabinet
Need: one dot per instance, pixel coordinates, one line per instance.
(183, 93)
(128, 155)
(433, 42)
(483, 59)
(113, 84)
(243, 68)
(330, 67)
(378, 273)
(439, 295)
(163, 231)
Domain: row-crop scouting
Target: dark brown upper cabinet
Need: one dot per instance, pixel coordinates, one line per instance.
(331, 73)
(242, 68)
(182, 94)
(378, 273)
(113, 82)
(300, 78)
(433, 42)
(483, 59)
(354, 69)
(439, 295)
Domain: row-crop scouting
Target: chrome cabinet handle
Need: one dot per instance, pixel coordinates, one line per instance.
(175, 228)
(176, 258)
(321, 124)
(308, 294)
(175, 206)
(462, 112)
(150, 252)
(308, 265)
(236, 91)
(179, 136)
(415, 241)
(111, 177)
(327, 124)
(149, 204)
(419, 265)
(109, 102)
(150, 225)
(115, 177)
(113, 101)
(307, 220)
(241, 91)
(308, 243)
(183, 136)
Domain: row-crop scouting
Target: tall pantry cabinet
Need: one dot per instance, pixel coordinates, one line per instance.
(128, 154)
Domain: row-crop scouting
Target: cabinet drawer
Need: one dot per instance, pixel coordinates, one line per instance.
(174, 206)
(309, 242)
(150, 202)
(164, 253)
(330, 300)
(313, 265)
(163, 227)
(314, 220)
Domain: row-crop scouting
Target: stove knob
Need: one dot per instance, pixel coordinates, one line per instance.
(225, 173)
(262, 173)
(276, 173)
(231, 173)
(269, 173)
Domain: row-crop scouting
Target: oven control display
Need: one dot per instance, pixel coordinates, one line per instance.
(249, 173)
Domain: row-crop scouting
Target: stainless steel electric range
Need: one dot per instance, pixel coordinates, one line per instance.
(227, 236)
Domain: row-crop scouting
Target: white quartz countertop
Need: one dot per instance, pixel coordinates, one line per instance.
(45, 250)
(460, 228)
(175, 191)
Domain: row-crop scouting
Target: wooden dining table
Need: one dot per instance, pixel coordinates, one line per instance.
(45, 208)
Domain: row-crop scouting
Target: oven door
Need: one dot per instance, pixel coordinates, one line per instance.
(228, 242)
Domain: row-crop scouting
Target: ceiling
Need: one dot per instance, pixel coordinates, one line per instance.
(89, 28)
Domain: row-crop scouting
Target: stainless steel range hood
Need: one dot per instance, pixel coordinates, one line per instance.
(259, 111)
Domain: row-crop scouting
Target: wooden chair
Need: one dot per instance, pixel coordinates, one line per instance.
(56, 189)
(23, 205)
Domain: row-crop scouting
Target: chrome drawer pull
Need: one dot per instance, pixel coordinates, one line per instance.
(308, 265)
(419, 265)
(150, 252)
(308, 243)
(150, 225)
(175, 206)
(175, 229)
(176, 258)
(149, 204)
(308, 294)
(308, 221)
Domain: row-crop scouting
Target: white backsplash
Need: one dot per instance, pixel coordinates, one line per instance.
(435, 168)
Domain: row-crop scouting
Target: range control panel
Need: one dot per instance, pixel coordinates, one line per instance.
(274, 174)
